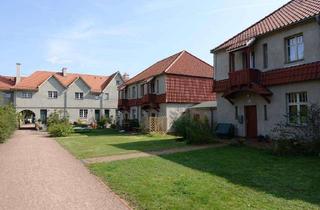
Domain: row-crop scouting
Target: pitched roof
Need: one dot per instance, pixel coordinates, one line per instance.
(6, 82)
(32, 82)
(182, 63)
(293, 12)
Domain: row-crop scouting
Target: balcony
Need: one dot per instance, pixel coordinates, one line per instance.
(237, 79)
(148, 99)
(123, 104)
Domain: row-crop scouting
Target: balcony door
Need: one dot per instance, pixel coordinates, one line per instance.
(251, 121)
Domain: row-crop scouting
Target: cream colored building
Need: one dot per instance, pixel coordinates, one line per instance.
(270, 72)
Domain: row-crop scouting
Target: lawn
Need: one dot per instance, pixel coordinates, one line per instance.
(216, 178)
(110, 142)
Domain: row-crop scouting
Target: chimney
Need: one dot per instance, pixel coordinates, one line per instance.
(18, 73)
(64, 71)
(125, 77)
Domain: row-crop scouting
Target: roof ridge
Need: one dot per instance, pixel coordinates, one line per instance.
(254, 24)
(153, 65)
(174, 61)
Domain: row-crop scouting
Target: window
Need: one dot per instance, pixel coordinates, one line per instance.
(265, 112)
(142, 90)
(133, 92)
(157, 84)
(252, 60)
(26, 95)
(265, 56)
(236, 112)
(152, 86)
(7, 95)
(118, 82)
(231, 62)
(83, 113)
(107, 113)
(79, 95)
(134, 114)
(295, 48)
(297, 108)
(244, 60)
(106, 96)
(52, 94)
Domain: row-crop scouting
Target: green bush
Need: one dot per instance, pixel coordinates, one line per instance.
(60, 129)
(193, 131)
(103, 121)
(285, 147)
(59, 126)
(8, 122)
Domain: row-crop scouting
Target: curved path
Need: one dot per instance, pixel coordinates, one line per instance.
(37, 173)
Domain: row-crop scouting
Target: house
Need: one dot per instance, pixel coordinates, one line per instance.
(204, 111)
(77, 96)
(270, 72)
(166, 89)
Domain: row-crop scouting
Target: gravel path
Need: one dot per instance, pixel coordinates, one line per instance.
(148, 154)
(37, 173)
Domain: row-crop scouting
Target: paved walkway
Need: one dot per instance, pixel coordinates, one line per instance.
(37, 173)
(147, 154)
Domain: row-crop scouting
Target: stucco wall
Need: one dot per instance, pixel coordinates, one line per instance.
(276, 110)
(173, 112)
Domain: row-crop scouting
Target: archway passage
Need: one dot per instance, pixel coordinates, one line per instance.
(27, 119)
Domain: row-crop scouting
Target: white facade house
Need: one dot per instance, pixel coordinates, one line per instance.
(79, 97)
(270, 72)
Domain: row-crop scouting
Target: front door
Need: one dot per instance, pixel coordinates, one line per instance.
(97, 114)
(43, 116)
(251, 121)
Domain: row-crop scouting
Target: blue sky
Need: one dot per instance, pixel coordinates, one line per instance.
(104, 36)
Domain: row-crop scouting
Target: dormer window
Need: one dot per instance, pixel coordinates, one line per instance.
(26, 95)
(79, 95)
(295, 48)
(52, 94)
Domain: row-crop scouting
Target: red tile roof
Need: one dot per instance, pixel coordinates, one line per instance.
(32, 82)
(6, 82)
(184, 89)
(182, 63)
(293, 12)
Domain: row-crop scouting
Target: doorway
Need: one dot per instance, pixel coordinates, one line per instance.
(97, 114)
(43, 116)
(251, 121)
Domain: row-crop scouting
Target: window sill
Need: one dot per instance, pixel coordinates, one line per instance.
(293, 62)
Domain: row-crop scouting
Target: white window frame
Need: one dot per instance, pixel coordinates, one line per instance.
(295, 45)
(79, 95)
(26, 95)
(294, 99)
(83, 113)
(52, 94)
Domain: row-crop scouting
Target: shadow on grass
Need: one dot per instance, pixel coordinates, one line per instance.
(283, 177)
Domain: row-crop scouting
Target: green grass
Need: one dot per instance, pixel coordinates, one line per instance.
(217, 178)
(109, 142)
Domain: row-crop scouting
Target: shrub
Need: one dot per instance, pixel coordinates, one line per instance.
(8, 122)
(103, 121)
(59, 126)
(299, 139)
(193, 131)
(60, 129)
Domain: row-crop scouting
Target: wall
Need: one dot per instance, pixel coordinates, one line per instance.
(173, 112)
(276, 110)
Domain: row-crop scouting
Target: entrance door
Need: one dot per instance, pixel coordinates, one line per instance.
(251, 121)
(43, 116)
(97, 114)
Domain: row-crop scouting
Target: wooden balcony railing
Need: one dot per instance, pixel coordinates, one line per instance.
(300, 73)
(244, 77)
(148, 99)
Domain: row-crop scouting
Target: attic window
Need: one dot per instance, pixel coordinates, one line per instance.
(26, 95)
(79, 96)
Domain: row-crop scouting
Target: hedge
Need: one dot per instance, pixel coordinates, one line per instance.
(8, 122)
